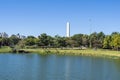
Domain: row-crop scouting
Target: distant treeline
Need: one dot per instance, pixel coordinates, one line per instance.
(94, 40)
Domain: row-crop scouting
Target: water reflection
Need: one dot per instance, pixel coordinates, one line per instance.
(51, 67)
(67, 69)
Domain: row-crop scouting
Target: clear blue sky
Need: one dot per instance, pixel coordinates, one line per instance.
(33, 17)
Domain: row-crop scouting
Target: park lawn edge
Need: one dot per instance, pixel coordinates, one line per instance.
(87, 52)
(73, 52)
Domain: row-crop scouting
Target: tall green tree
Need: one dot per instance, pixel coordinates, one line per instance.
(0, 42)
(45, 40)
(93, 39)
(21, 44)
(14, 39)
(107, 42)
(96, 39)
(5, 42)
(30, 41)
(115, 43)
(85, 40)
(59, 41)
(100, 39)
(78, 39)
(70, 42)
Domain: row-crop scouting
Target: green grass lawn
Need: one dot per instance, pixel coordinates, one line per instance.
(87, 52)
(5, 49)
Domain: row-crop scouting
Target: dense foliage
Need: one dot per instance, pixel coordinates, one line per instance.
(94, 40)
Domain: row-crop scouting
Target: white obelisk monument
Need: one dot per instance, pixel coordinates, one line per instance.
(68, 29)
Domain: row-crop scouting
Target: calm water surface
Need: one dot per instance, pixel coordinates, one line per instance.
(52, 67)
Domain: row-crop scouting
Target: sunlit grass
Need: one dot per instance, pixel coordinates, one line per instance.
(87, 52)
(5, 49)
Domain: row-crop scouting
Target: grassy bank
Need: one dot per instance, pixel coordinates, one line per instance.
(5, 49)
(87, 52)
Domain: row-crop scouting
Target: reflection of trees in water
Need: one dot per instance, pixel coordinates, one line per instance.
(117, 64)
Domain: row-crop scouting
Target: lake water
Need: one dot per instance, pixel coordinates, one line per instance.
(52, 67)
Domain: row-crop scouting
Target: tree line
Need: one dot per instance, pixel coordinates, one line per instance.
(94, 40)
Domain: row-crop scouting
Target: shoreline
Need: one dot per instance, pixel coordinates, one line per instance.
(87, 52)
(73, 52)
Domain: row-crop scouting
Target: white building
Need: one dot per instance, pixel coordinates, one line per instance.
(68, 29)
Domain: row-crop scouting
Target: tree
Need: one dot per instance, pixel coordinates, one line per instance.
(78, 39)
(114, 33)
(96, 39)
(30, 41)
(59, 41)
(100, 39)
(21, 44)
(70, 42)
(107, 42)
(4, 35)
(85, 40)
(92, 39)
(0, 42)
(45, 40)
(115, 43)
(5, 42)
(14, 39)
(50, 41)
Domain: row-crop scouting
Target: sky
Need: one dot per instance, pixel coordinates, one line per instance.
(34, 17)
